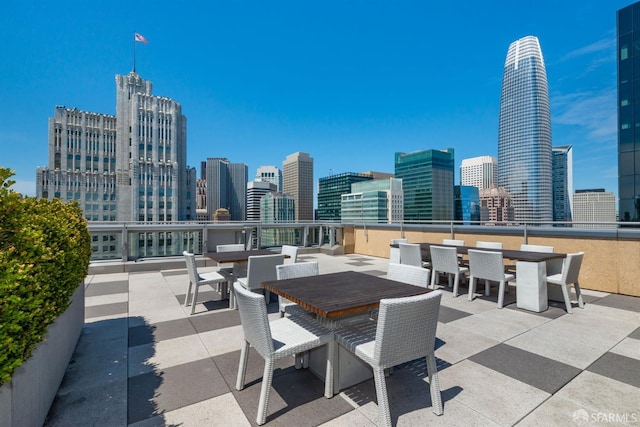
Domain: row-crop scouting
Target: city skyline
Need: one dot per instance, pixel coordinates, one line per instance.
(258, 82)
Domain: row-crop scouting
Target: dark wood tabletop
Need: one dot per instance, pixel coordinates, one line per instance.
(506, 253)
(237, 256)
(339, 294)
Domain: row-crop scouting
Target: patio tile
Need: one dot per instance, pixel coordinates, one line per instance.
(500, 325)
(106, 299)
(555, 411)
(215, 320)
(163, 391)
(621, 302)
(448, 314)
(103, 330)
(222, 410)
(106, 310)
(222, 341)
(177, 272)
(598, 394)
(635, 334)
(538, 371)
(165, 354)
(496, 396)
(628, 347)
(456, 344)
(146, 334)
(353, 418)
(618, 367)
(106, 288)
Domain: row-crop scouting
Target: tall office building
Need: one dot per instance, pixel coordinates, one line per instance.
(562, 182)
(378, 201)
(270, 174)
(496, 207)
(127, 167)
(594, 207)
(297, 182)
(255, 192)
(427, 181)
(467, 204)
(524, 134)
(277, 207)
(330, 190)
(481, 172)
(628, 113)
(226, 187)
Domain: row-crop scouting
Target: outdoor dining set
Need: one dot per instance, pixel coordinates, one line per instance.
(350, 326)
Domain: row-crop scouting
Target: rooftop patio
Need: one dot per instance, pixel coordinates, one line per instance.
(142, 360)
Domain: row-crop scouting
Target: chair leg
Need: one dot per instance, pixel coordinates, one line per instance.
(242, 367)
(265, 391)
(434, 274)
(383, 399)
(188, 295)
(501, 294)
(456, 282)
(578, 294)
(487, 288)
(567, 298)
(472, 287)
(195, 298)
(434, 385)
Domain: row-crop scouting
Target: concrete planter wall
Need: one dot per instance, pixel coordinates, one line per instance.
(26, 400)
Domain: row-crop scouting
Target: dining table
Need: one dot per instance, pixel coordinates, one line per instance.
(334, 297)
(532, 269)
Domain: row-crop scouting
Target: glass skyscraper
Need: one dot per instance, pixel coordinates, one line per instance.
(427, 181)
(524, 134)
(629, 112)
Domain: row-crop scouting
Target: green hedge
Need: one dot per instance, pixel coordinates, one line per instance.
(45, 250)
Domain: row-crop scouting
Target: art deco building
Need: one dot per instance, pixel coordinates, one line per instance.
(297, 182)
(127, 167)
(427, 180)
(496, 207)
(629, 113)
(524, 134)
(480, 172)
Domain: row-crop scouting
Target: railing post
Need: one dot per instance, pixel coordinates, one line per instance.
(125, 243)
(204, 247)
(305, 235)
(332, 237)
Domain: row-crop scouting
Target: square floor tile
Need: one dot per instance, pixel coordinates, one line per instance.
(622, 302)
(216, 320)
(146, 334)
(539, 371)
(618, 367)
(115, 287)
(635, 334)
(106, 310)
(154, 393)
(447, 314)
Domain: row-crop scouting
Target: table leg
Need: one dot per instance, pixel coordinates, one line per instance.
(531, 286)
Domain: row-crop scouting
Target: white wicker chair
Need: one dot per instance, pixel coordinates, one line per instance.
(489, 245)
(291, 271)
(569, 275)
(445, 260)
(230, 248)
(292, 252)
(196, 280)
(277, 340)
(411, 254)
(394, 253)
(260, 268)
(487, 265)
(410, 274)
(536, 248)
(405, 331)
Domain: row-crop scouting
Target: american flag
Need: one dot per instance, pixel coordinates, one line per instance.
(140, 38)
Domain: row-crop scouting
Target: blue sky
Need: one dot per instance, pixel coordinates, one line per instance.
(350, 82)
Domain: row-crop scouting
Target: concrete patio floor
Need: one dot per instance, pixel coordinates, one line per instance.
(142, 360)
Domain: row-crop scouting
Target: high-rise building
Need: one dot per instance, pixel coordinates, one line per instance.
(255, 191)
(524, 134)
(377, 201)
(481, 172)
(226, 187)
(467, 204)
(270, 174)
(594, 207)
(496, 207)
(127, 167)
(562, 182)
(628, 113)
(297, 182)
(427, 181)
(330, 190)
(277, 207)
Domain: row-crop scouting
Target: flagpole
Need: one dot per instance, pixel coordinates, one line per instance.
(134, 53)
